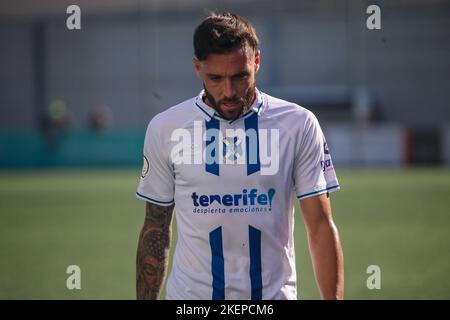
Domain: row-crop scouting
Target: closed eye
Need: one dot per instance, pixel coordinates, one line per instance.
(240, 76)
(215, 78)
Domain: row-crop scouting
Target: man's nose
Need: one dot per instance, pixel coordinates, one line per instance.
(229, 90)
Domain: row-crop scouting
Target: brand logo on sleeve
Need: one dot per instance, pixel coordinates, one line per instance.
(325, 148)
(326, 165)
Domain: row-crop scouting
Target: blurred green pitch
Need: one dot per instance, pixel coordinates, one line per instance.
(398, 219)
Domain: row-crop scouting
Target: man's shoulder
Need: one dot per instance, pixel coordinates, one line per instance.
(174, 116)
(287, 110)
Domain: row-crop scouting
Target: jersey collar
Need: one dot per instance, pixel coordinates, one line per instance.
(209, 113)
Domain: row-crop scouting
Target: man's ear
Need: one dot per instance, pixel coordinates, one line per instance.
(197, 65)
(257, 60)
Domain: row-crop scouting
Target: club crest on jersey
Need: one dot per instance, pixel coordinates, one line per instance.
(258, 149)
(232, 148)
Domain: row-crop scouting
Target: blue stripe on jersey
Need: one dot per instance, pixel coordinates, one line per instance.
(212, 165)
(252, 123)
(255, 262)
(217, 264)
(318, 191)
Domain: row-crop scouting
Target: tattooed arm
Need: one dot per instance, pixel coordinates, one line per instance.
(153, 251)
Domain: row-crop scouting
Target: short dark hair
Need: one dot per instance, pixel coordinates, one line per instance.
(223, 32)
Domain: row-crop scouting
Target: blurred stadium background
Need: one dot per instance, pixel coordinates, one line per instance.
(74, 106)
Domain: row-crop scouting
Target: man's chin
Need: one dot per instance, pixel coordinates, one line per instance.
(231, 113)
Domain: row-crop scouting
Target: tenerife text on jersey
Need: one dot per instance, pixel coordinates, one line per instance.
(249, 201)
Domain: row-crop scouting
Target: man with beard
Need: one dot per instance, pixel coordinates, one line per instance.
(232, 161)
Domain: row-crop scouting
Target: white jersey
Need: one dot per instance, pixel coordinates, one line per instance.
(234, 184)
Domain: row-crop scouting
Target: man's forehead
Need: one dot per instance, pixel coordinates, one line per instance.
(240, 58)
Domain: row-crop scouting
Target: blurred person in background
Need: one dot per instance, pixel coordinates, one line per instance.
(55, 122)
(100, 118)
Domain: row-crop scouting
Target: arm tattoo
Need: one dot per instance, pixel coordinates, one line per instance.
(153, 251)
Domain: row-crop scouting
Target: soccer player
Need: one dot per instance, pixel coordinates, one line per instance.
(232, 161)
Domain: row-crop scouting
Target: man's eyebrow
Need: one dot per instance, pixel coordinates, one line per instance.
(213, 75)
(241, 73)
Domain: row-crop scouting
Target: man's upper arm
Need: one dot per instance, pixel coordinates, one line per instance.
(315, 211)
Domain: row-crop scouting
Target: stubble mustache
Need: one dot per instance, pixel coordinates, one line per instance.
(234, 100)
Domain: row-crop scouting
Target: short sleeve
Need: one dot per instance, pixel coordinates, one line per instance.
(313, 168)
(157, 179)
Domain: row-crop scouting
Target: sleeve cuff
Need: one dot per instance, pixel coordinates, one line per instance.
(154, 201)
(315, 193)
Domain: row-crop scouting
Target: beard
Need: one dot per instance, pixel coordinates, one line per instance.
(245, 102)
